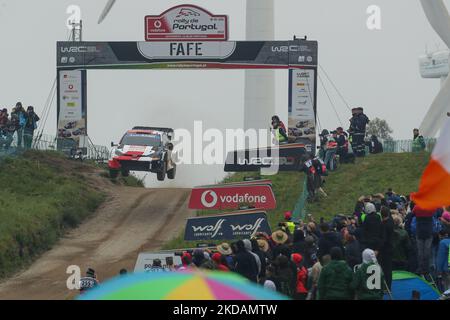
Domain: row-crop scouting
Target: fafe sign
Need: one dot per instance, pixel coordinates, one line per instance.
(186, 23)
(238, 225)
(231, 196)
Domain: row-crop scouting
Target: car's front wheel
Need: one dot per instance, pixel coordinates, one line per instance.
(113, 173)
(172, 173)
(161, 175)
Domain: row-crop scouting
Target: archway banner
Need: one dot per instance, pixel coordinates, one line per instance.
(188, 55)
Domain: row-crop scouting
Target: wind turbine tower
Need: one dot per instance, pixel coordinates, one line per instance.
(259, 84)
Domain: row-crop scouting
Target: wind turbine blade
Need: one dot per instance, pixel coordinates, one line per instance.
(437, 114)
(107, 9)
(437, 14)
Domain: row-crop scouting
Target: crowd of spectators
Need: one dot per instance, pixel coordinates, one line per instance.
(19, 125)
(310, 260)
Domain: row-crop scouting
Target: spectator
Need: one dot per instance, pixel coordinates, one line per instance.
(335, 278)
(198, 257)
(280, 238)
(157, 266)
(225, 250)
(352, 249)
(443, 261)
(302, 277)
(313, 279)
(220, 262)
(270, 281)
(386, 249)
(19, 118)
(371, 228)
(401, 246)
(261, 257)
(328, 240)
(424, 238)
(123, 272)
(89, 281)
(30, 125)
(279, 129)
(418, 144)
(284, 276)
(375, 146)
(245, 263)
(361, 281)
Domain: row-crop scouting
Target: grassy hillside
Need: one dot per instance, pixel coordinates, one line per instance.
(373, 174)
(42, 195)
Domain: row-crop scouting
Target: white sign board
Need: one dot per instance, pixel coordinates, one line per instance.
(71, 95)
(302, 118)
(145, 261)
(186, 23)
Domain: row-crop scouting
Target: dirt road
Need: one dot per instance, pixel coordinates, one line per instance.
(132, 220)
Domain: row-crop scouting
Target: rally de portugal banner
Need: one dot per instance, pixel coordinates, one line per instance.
(239, 225)
(232, 196)
(186, 22)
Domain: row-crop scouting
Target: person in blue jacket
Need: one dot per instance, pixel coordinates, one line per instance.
(443, 260)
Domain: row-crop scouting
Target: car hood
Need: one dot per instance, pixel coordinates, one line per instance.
(137, 150)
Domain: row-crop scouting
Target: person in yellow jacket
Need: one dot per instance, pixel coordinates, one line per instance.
(289, 224)
(281, 136)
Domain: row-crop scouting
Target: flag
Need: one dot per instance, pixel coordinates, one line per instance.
(434, 189)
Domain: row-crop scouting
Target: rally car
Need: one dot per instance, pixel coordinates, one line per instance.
(144, 149)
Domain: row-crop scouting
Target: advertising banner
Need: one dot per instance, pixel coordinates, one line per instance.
(302, 107)
(239, 225)
(145, 261)
(290, 157)
(186, 22)
(231, 197)
(72, 113)
(187, 54)
(259, 182)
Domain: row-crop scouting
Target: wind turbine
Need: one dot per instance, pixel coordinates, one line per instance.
(106, 11)
(437, 66)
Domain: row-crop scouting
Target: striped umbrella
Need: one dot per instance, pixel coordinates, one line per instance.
(195, 285)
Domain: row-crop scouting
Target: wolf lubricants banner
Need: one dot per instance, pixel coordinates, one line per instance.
(239, 225)
(232, 196)
(72, 110)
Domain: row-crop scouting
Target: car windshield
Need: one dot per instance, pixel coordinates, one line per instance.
(141, 140)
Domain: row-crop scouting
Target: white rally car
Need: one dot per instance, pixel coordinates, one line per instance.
(144, 149)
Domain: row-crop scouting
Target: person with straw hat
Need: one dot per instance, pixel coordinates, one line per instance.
(280, 239)
(227, 252)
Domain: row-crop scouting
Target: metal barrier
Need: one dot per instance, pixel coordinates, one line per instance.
(46, 142)
(400, 146)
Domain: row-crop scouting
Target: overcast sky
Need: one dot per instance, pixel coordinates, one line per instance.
(374, 69)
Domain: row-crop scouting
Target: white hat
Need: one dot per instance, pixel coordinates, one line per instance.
(370, 208)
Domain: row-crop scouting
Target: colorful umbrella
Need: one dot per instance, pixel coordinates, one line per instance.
(198, 285)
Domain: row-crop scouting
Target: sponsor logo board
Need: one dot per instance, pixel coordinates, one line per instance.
(232, 226)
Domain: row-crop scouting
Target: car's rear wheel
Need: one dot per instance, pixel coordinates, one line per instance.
(172, 173)
(113, 173)
(161, 175)
(125, 173)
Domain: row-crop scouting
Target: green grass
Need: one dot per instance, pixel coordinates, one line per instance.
(42, 196)
(373, 174)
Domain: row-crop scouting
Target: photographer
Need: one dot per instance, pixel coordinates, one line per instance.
(30, 125)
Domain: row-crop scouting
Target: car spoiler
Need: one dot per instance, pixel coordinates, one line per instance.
(166, 130)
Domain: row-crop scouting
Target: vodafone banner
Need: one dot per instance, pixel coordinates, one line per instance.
(231, 197)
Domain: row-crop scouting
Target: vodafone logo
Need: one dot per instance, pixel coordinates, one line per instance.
(157, 24)
(205, 199)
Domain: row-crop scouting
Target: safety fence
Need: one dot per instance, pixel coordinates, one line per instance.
(51, 143)
(400, 146)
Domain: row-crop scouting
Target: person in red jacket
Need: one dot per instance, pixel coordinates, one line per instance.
(302, 277)
(220, 262)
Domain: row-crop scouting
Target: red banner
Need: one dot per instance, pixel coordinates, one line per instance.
(232, 196)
